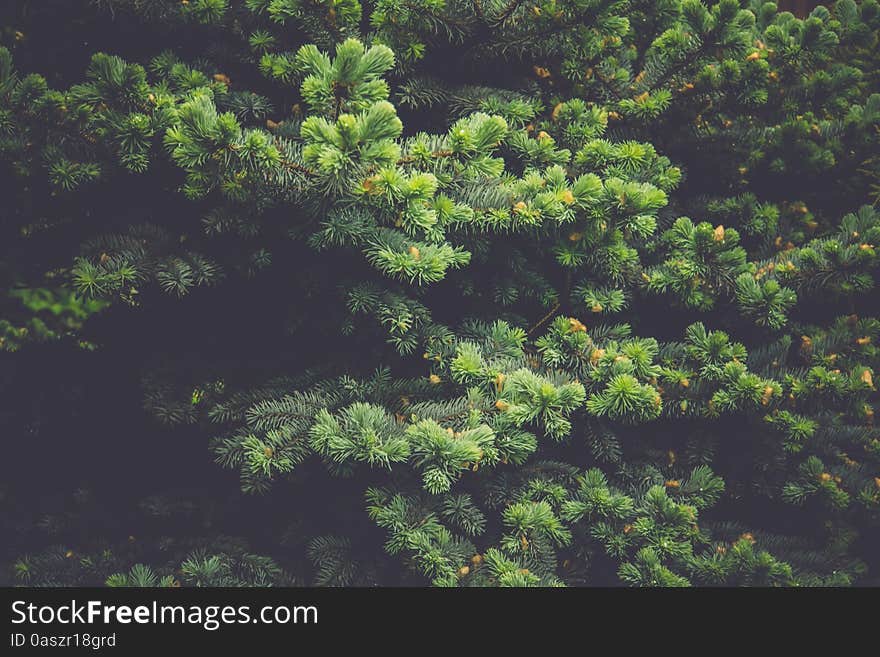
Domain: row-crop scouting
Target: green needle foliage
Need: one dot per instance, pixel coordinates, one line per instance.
(543, 293)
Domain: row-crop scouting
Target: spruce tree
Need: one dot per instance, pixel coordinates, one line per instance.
(575, 292)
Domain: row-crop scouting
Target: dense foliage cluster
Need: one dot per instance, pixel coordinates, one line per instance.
(465, 292)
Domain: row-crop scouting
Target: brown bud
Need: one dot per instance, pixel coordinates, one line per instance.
(576, 326)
